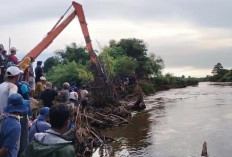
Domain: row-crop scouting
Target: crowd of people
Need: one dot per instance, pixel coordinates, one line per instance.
(35, 130)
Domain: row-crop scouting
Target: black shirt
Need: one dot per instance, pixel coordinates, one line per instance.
(48, 96)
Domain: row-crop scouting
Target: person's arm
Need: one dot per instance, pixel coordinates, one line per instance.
(12, 89)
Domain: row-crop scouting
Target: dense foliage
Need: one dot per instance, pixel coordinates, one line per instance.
(128, 55)
(119, 59)
(70, 65)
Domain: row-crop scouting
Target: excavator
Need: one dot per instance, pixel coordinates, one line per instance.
(102, 91)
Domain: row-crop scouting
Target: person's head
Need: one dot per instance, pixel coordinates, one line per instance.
(84, 87)
(13, 50)
(59, 118)
(66, 86)
(48, 85)
(44, 114)
(1, 47)
(16, 104)
(13, 74)
(39, 63)
(73, 96)
(42, 79)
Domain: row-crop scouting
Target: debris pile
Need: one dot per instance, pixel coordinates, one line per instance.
(88, 122)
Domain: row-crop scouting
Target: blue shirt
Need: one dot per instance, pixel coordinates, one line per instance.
(10, 134)
(38, 126)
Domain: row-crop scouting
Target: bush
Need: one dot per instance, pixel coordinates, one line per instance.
(148, 88)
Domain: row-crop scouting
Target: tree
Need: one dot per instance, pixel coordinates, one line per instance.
(217, 68)
(134, 48)
(137, 49)
(50, 62)
(108, 62)
(124, 65)
(74, 53)
(69, 72)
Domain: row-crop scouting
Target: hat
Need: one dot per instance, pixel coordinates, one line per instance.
(13, 71)
(44, 112)
(13, 49)
(74, 96)
(42, 78)
(16, 103)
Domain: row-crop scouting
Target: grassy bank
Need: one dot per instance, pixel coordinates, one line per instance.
(152, 85)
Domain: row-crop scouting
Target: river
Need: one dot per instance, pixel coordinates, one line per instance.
(176, 123)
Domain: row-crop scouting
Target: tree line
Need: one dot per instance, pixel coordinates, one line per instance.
(119, 59)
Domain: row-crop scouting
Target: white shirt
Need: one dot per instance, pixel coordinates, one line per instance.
(6, 88)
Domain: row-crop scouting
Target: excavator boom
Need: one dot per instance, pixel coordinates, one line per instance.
(102, 92)
(37, 50)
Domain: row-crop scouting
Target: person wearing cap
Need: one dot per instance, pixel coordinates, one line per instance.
(73, 98)
(38, 71)
(40, 86)
(12, 57)
(41, 123)
(52, 142)
(49, 95)
(9, 86)
(11, 129)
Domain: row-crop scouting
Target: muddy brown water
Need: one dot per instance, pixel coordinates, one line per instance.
(176, 123)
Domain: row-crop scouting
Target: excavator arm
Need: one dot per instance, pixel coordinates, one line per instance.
(102, 91)
(58, 28)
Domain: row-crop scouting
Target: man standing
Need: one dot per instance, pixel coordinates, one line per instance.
(40, 87)
(64, 93)
(41, 123)
(10, 129)
(8, 87)
(49, 95)
(12, 56)
(84, 97)
(38, 71)
(52, 143)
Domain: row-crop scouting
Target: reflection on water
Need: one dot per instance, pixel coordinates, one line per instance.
(176, 123)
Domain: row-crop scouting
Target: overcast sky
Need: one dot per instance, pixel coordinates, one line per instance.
(190, 35)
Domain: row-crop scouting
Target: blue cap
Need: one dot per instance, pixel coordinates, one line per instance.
(16, 103)
(44, 112)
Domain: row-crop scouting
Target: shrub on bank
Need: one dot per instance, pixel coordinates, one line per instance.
(147, 87)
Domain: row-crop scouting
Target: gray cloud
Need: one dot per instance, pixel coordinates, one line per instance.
(208, 13)
(179, 57)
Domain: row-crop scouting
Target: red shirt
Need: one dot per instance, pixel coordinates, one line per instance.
(14, 59)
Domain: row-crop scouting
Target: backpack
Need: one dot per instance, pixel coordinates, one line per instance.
(8, 62)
